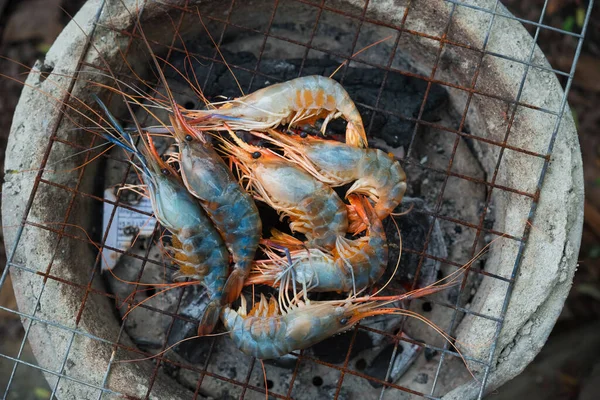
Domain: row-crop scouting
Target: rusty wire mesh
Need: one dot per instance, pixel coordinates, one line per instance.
(385, 68)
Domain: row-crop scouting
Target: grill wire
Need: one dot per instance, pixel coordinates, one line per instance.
(73, 333)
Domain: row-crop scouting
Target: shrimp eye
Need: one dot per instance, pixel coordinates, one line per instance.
(256, 154)
(344, 321)
(303, 134)
(188, 138)
(165, 171)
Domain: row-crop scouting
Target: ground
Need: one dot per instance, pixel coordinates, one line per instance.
(569, 365)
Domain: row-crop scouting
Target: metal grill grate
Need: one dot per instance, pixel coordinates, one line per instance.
(360, 18)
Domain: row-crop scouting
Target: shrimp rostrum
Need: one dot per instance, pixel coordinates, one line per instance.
(198, 248)
(352, 266)
(294, 102)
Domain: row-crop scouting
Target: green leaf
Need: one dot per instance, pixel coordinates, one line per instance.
(43, 47)
(569, 24)
(41, 393)
(575, 118)
(580, 17)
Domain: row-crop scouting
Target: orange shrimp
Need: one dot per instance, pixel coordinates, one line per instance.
(375, 173)
(313, 207)
(351, 266)
(298, 101)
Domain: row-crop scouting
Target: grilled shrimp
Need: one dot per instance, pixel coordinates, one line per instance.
(207, 177)
(313, 207)
(229, 206)
(352, 265)
(298, 101)
(268, 331)
(375, 174)
(197, 246)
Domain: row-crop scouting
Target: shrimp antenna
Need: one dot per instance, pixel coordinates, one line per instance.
(219, 51)
(110, 71)
(130, 145)
(265, 376)
(358, 52)
(116, 125)
(170, 347)
(161, 74)
(163, 80)
(397, 260)
(149, 150)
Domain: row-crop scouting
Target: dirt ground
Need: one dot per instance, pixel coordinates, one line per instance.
(569, 365)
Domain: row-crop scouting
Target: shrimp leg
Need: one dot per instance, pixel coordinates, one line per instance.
(228, 205)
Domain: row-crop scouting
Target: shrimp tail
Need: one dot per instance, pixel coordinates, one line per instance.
(233, 286)
(356, 136)
(359, 206)
(210, 317)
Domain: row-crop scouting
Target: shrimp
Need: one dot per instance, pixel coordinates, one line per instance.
(198, 248)
(298, 101)
(268, 331)
(228, 205)
(352, 266)
(208, 178)
(313, 207)
(375, 174)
